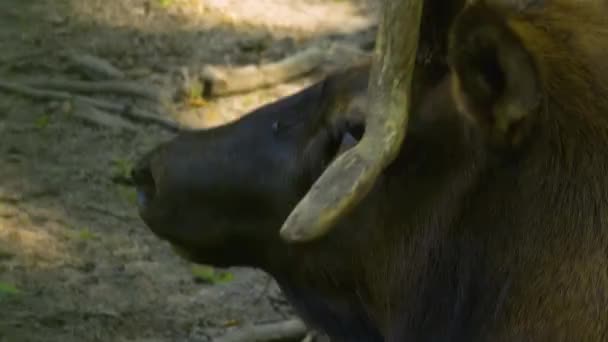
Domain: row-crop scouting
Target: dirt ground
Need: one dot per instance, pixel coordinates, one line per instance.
(76, 263)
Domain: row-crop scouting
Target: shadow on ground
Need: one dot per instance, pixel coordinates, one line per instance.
(76, 263)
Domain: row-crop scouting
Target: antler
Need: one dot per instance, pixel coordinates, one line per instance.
(352, 175)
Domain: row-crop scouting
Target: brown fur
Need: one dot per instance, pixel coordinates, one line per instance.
(569, 42)
(491, 225)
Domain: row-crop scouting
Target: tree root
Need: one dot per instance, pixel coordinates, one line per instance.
(88, 87)
(99, 117)
(94, 67)
(216, 81)
(293, 329)
(130, 112)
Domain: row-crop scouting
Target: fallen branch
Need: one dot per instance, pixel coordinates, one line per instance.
(293, 329)
(133, 113)
(87, 87)
(220, 81)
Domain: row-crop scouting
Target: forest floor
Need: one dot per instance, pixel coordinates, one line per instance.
(76, 262)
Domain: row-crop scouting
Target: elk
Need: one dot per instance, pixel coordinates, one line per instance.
(486, 221)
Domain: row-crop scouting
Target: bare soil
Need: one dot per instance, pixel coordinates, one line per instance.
(76, 263)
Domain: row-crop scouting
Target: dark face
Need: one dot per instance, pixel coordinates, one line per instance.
(208, 191)
(221, 195)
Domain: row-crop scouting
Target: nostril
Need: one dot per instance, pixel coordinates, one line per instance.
(144, 182)
(141, 174)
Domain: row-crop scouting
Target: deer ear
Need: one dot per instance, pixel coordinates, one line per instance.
(495, 78)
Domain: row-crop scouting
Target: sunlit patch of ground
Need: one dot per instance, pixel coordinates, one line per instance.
(308, 17)
(37, 248)
(30, 235)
